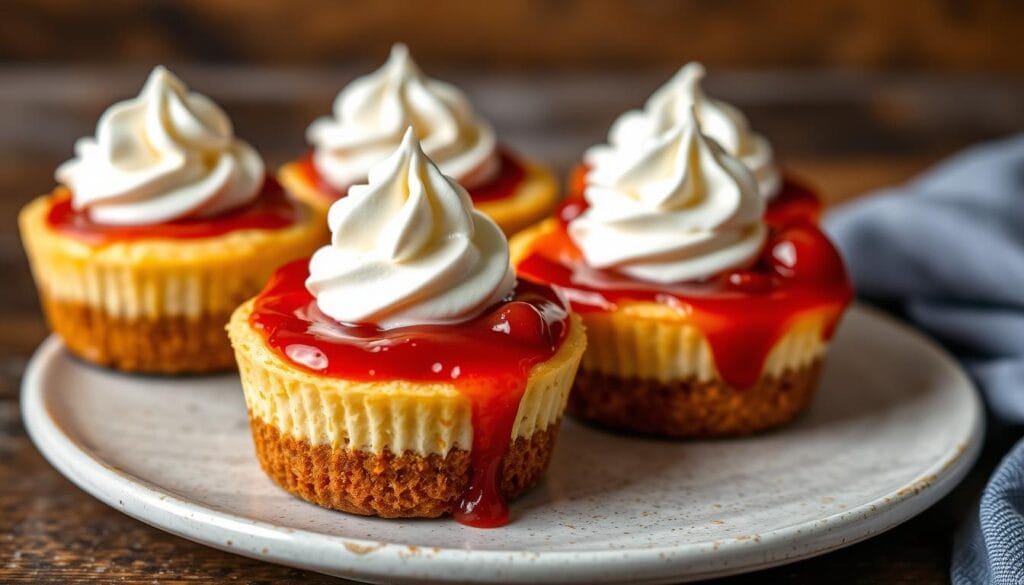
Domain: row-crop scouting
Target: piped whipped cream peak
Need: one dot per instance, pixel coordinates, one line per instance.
(164, 155)
(668, 107)
(679, 208)
(409, 249)
(372, 113)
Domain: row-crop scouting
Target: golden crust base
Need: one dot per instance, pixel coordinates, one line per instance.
(164, 345)
(691, 408)
(389, 485)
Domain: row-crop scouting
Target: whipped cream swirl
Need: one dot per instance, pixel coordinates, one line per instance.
(669, 107)
(678, 209)
(372, 113)
(164, 155)
(409, 249)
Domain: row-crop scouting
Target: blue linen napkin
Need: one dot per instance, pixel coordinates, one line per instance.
(947, 249)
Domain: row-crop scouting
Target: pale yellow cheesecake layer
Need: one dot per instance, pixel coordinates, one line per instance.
(531, 202)
(396, 415)
(152, 278)
(654, 341)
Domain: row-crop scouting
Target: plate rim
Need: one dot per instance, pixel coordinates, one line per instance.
(372, 560)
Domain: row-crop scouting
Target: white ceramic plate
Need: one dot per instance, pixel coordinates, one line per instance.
(896, 425)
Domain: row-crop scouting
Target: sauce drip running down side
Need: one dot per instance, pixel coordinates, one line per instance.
(509, 177)
(742, 313)
(271, 210)
(487, 359)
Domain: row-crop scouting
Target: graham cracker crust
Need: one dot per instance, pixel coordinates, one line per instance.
(165, 345)
(691, 409)
(390, 485)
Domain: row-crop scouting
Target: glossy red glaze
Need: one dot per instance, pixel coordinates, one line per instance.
(509, 178)
(271, 210)
(742, 313)
(488, 359)
(510, 175)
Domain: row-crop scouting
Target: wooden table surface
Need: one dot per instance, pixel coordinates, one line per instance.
(846, 132)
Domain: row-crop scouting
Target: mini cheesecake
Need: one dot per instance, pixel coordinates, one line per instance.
(708, 306)
(159, 231)
(412, 422)
(402, 371)
(370, 115)
(155, 299)
(739, 354)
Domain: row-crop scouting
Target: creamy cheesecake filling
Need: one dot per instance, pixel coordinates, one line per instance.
(648, 341)
(395, 415)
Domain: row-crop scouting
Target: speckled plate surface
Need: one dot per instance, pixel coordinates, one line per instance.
(896, 425)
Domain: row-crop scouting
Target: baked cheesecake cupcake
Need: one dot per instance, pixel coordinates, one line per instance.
(403, 371)
(788, 198)
(703, 319)
(163, 223)
(372, 113)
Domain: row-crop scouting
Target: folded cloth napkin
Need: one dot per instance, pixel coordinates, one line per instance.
(947, 249)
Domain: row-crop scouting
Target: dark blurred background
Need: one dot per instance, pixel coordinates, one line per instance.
(920, 35)
(832, 84)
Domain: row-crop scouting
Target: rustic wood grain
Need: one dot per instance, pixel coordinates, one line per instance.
(848, 133)
(924, 34)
